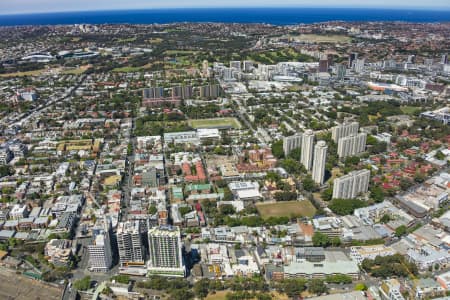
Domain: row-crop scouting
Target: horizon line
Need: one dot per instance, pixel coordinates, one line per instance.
(414, 8)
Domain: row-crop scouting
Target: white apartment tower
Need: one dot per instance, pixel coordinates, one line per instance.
(320, 158)
(129, 242)
(291, 142)
(359, 65)
(344, 130)
(100, 253)
(165, 249)
(235, 64)
(352, 145)
(307, 149)
(351, 185)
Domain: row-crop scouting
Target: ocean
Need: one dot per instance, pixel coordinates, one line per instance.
(276, 16)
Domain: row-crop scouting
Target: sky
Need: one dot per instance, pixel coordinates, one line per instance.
(34, 6)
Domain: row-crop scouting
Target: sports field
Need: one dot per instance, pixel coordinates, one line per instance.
(222, 295)
(18, 287)
(220, 123)
(286, 209)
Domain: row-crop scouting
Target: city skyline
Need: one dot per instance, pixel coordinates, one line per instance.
(50, 6)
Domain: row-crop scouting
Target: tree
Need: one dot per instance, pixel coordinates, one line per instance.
(335, 241)
(292, 166)
(295, 153)
(152, 209)
(125, 279)
(292, 287)
(377, 194)
(277, 149)
(441, 156)
(181, 294)
(5, 170)
(184, 210)
(360, 287)
(320, 240)
(327, 194)
(339, 278)
(352, 161)
(419, 177)
(344, 207)
(83, 284)
(385, 218)
(317, 286)
(227, 209)
(405, 184)
(308, 184)
(202, 288)
(401, 230)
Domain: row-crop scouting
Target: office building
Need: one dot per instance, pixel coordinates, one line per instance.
(130, 244)
(307, 149)
(153, 93)
(341, 71)
(100, 252)
(165, 249)
(291, 142)
(352, 145)
(323, 64)
(343, 130)
(320, 158)
(351, 59)
(330, 60)
(351, 185)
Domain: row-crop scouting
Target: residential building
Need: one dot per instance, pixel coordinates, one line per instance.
(5, 156)
(427, 288)
(390, 290)
(153, 93)
(352, 145)
(307, 149)
(343, 130)
(130, 244)
(58, 251)
(182, 92)
(100, 252)
(291, 142)
(360, 253)
(165, 249)
(320, 156)
(351, 185)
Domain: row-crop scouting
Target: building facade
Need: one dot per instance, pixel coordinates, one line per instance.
(165, 249)
(291, 142)
(130, 244)
(307, 149)
(351, 185)
(320, 157)
(352, 145)
(343, 130)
